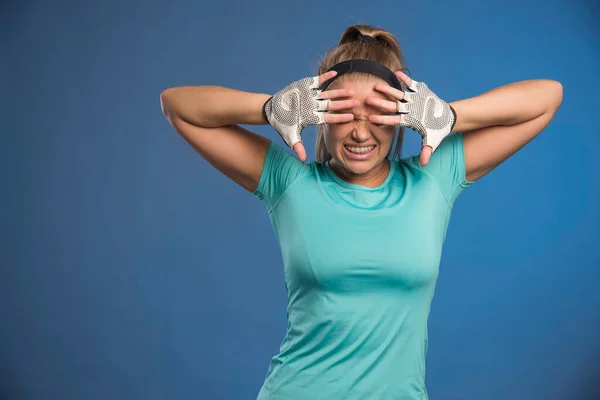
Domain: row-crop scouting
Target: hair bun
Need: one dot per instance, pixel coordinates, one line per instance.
(365, 38)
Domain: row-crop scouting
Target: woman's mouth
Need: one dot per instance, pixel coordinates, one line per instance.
(359, 152)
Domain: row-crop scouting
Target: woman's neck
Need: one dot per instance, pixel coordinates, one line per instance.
(372, 178)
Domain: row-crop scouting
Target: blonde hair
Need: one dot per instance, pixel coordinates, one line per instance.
(385, 50)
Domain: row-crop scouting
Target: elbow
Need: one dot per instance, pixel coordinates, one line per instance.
(555, 89)
(166, 97)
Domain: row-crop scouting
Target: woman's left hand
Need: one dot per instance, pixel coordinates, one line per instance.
(419, 109)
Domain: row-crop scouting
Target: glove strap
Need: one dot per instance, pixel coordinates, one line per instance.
(264, 111)
(454, 113)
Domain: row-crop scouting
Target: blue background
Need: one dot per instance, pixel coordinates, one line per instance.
(131, 269)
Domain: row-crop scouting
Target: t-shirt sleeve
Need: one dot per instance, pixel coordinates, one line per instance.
(447, 166)
(280, 170)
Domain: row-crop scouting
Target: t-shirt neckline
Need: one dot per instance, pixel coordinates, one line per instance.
(331, 173)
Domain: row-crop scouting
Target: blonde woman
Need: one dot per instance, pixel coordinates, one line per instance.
(360, 229)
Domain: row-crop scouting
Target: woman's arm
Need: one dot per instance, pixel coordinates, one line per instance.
(498, 123)
(207, 117)
(214, 106)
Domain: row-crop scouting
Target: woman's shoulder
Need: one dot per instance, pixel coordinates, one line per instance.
(281, 169)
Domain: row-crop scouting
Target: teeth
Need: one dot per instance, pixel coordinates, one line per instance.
(360, 150)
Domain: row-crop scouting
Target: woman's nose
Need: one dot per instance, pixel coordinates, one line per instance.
(361, 133)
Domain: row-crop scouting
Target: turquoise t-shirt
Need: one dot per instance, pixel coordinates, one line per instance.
(360, 267)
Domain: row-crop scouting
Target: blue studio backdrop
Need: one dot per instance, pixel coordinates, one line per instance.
(132, 269)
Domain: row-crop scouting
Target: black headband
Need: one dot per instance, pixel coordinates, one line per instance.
(370, 67)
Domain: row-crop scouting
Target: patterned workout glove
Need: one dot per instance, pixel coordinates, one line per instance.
(424, 112)
(295, 107)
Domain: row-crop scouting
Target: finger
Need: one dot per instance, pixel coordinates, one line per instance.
(323, 105)
(332, 94)
(410, 83)
(300, 151)
(403, 120)
(392, 91)
(326, 76)
(404, 78)
(385, 119)
(425, 155)
(337, 118)
(329, 105)
(401, 107)
(413, 86)
(385, 105)
(342, 104)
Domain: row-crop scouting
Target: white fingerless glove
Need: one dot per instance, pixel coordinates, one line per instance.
(295, 107)
(427, 114)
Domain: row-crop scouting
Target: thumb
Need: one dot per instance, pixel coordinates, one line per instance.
(300, 151)
(425, 154)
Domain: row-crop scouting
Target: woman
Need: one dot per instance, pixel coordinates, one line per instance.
(360, 230)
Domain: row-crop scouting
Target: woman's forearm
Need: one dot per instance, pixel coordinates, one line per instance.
(510, 104)
(213, 106)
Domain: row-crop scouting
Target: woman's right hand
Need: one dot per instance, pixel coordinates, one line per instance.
(301, 104)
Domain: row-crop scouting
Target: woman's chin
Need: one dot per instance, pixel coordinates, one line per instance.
(358, 167)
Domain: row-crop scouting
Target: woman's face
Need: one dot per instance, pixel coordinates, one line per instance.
(348, 141)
